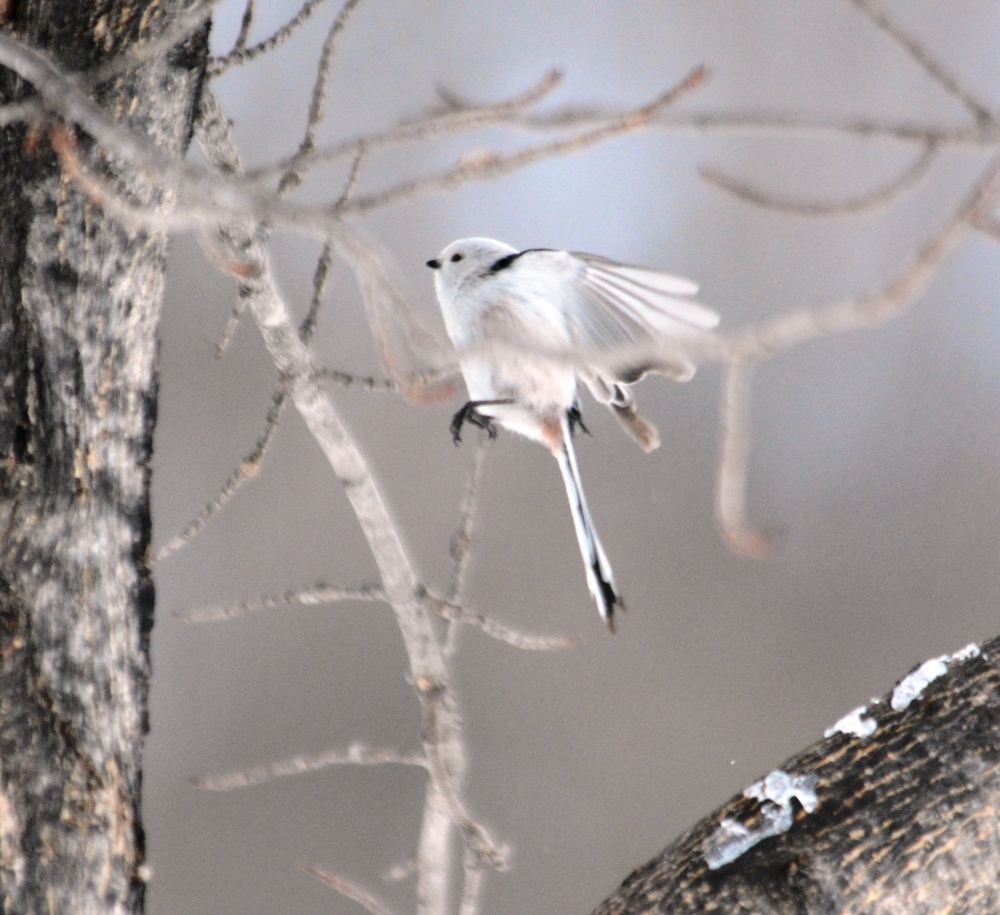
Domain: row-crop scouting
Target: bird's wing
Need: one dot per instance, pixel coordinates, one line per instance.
(609, 306)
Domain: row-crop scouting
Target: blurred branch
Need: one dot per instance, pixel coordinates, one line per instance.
(317, 102)
(472, 886)
(734, 457)
(239, 56)
(488, 165)
(431, 126)
(246, 470)
(878, 199)
(320, 593)
(346, 888)
(458, 614)
(246, 24)
(442, 743)
(922, 55)
(461, 542)
(355, 755)
(785, 331)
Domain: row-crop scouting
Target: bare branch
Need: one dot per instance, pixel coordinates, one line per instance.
(356, 754)
(475, 836)
(235, 316)
(246, 470)
(321, 277)
(919, 52)
(320, 593)
(875, 200)
(462, 540)
(320, 90)
(768, 123)
(454, 613)
(246, 24)
(734, 455)
(346, 888)
(430, 126)
(236, 57)
(489, 165)
(781, 333)
(428, 671)
(365, 382)
(353, 175)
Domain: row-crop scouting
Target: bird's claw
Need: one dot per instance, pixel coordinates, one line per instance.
(575, 418)
(470, 414)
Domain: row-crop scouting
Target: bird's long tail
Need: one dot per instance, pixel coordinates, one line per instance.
(600, 578)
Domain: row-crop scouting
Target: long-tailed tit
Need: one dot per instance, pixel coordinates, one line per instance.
(538, 302)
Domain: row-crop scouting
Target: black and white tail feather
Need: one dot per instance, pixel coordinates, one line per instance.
(542, 300)
(600, 578)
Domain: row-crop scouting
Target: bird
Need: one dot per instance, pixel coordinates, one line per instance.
(542, 301)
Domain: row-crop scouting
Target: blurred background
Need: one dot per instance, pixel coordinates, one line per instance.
(877, 453)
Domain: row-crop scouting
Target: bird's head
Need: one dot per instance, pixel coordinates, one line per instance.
(462, 259)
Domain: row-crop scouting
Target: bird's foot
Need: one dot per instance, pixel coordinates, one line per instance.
(575, 418)
(470, 414)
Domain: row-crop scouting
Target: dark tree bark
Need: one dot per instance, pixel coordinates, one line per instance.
(79, 304)
(907, 820)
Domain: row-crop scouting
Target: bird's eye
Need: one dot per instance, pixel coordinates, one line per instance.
(455, 258)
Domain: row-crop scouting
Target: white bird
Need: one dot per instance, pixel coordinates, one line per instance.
(542, 301)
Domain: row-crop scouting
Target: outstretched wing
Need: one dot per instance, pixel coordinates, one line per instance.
(606, 306)
(621, 305)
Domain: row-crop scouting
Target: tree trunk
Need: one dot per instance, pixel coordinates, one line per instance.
(79, 305)
(905, 819)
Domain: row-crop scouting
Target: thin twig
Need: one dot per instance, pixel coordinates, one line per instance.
(355, 755)
(365, 382)
(246, 470)
(235, 316)
(430, 126)
(509, 636)
(237, 57)
(919, 52)
(785, 331)
(491, 165)
(734, 457)
(246, 24)
(462, 539)
(475, 836)
(874, 200)
(320, 593)
(321, 276)
(427, 668)
(346, 888)
(353, 175)
(317, 100)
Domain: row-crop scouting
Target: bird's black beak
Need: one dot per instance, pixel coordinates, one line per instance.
(433, 263)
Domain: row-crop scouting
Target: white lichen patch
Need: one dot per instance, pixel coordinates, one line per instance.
(775, 792)
(854, 724)
(913, 686)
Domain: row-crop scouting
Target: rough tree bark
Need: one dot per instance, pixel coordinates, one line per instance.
(79, 304)
(905, 819)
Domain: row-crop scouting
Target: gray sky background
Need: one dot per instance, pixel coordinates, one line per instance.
(878, 454)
